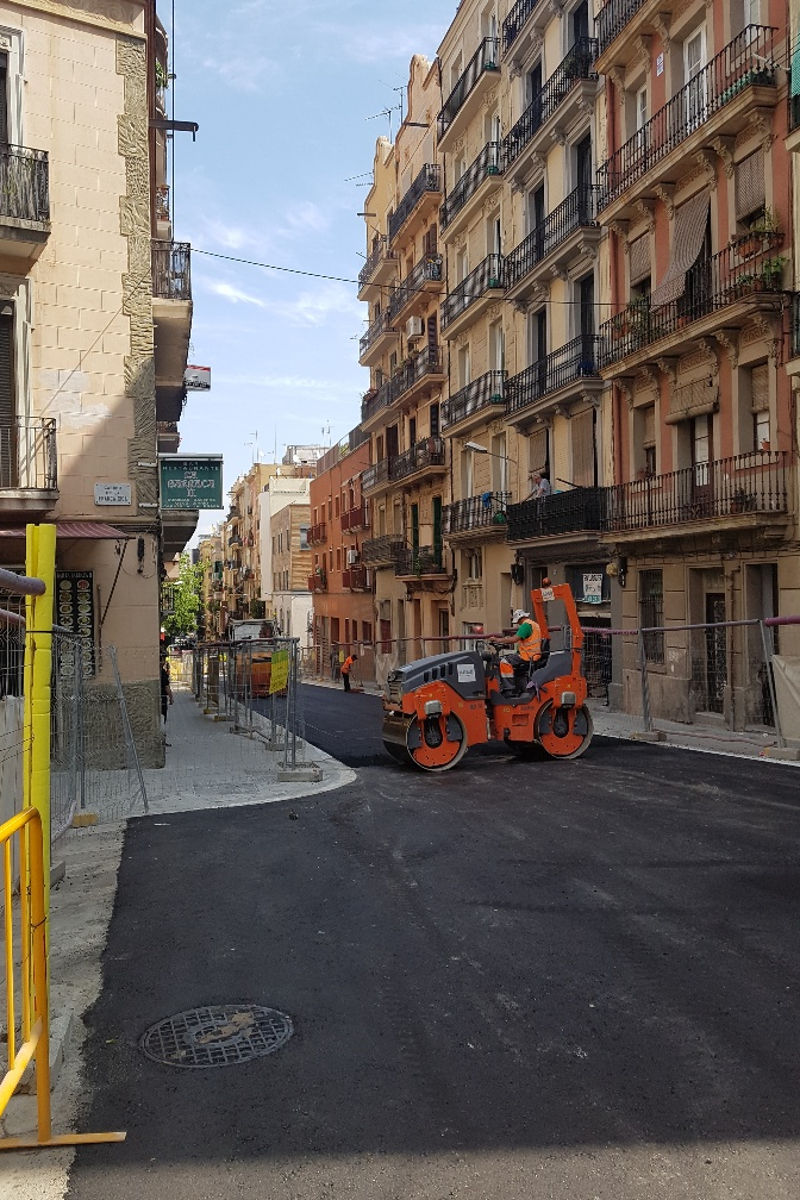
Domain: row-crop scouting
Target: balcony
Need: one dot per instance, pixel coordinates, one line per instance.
(570, 232)
(420, 561)
(379, 269)
(425, 371)
(426, 277)
(746, 491)
(428, 457)
(318, 582)
(172, 320)
(554, 380)
(473, 296)
(460, 203)
(481, 72)
(169, 438)
(484, 514)
(474, 404)
(376, 477)
(355, 518)
(24, 202)
(317, 534)
(420, 201)
(577, 511)
(720, 292)
(636, 18)
(718, 102)
(375, 342)
(28, 466)
(519, 21)
(357, 579)
(558, 106)
(382, 551)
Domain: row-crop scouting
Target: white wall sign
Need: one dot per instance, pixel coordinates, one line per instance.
(466, 673)
(109, 494)
(593, 588)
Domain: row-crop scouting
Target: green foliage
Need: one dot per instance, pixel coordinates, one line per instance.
(186, 591)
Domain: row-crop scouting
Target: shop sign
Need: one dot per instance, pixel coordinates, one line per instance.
(197, 379)
(593, 588)
(189, 483)
(75, 612)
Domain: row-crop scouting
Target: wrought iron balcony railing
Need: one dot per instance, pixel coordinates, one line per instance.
(162, 202)
(172, 276)
(355, 518)
(612, 19)
(428, 361)
(486, 276)
(420, 560)
(382, 551)
(577, 64)
(24, 184)
(377, 329)
(477, 512)
(482, 393)
(485, 58)
(796, 325)
(575, 511)
(379, 252)
(28, 456)
(317, 534)
(754, 483)
(488, 162)
(794, 109)
(577, 360)
(430, 452)
(318, 582)
(745, 269)
(428, 180)
(577, 211)
(515, 21)
(744, 61)
(427, 270)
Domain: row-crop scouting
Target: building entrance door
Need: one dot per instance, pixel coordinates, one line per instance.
(716, 652)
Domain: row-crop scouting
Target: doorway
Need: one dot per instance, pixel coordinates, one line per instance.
(716, 669)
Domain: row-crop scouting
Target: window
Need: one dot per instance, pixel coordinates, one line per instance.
(366, 631)
(473, 564)
(338, 560)
(336, 505)
(701, 448)
(645, 421)
(497, 347)
(694, 59)
(347, 630)
(412, 431)
(759, 406)
(464, 367)
(582, 429)
(539, 451)
(499, 463)
(651, 613)
(641, 108)
(462, 266)
(467, 473)
(304, 537)
(435, 422)
(761, 430)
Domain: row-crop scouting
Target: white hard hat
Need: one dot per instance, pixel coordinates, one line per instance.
(520, 615)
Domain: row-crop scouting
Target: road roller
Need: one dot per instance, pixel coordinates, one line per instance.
(436, 708)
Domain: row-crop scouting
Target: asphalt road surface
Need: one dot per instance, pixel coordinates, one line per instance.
(575, 980)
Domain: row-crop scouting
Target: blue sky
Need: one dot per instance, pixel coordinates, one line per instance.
(282, 93)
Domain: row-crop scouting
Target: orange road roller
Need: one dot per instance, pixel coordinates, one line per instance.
(436, 708)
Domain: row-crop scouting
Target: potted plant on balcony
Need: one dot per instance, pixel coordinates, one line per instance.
(742, 501)
(758, 235)
(772, 273)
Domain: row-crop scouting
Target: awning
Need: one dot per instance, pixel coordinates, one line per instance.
(81, 530)
(687, 242)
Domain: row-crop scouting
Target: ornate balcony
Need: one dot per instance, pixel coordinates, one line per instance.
(379, 269)
(460, 203)
(428, 456)
(474, 404)
(465, 99)
(422, 198)
(414, 562)
(318, 534)
(172, 320)
(744, 491)
(382, 551)
(355, 518)
(473, 295)
(24, 202)
(718, 102)
(376, 477)
(423, 372)
(28, 465)
(484, 514)
(579, 510)
(554, 110)
(554, 380)
(357, 579)
(517, 20)
(427, 276)
(376, 340)
(569, 232)
(318, 582)
(720, 293)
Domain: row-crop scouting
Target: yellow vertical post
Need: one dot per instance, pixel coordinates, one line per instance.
(40, 696)
(31, 555)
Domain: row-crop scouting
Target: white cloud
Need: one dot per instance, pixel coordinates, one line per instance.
(318, 307)
(282, 382)
(235, 295)
(305, 215)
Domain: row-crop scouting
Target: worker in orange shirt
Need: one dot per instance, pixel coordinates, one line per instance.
(347, 667)
(527, 641)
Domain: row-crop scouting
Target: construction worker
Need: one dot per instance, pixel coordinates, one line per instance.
(527, 638)
(347, 667)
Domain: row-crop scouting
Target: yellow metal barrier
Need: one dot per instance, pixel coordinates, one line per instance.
(34, 1043)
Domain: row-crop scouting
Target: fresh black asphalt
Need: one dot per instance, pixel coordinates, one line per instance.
(575, 980)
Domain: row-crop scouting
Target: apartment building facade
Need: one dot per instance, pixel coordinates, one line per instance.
(210, 559)
(695, 190)
(291, 567)
(407, 483)
(341, 582)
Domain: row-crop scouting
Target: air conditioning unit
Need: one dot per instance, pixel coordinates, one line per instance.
(415, 328)
(352, 558)
(368, 578)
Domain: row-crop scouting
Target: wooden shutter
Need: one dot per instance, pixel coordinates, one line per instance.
(759, 388)
(582, 426)
(8, 432)
(537, 459)
(749, 180)
(640, 259)
(649, 425)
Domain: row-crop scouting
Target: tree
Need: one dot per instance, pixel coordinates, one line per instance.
(186, 592)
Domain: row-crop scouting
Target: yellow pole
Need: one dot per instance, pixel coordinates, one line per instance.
(40, 694)
(31, 555)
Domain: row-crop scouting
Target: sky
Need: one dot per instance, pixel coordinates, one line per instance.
(283, 93)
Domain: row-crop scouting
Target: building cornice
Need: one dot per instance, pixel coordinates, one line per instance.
(119, 16)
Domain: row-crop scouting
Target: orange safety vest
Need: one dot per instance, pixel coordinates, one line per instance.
(347, 664)
(530, 648)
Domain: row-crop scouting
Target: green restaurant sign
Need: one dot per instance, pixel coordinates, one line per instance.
(191, 482)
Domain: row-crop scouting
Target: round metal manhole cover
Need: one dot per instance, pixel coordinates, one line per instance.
(222, 1035)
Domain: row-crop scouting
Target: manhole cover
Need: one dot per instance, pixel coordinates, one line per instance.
(219, 1036)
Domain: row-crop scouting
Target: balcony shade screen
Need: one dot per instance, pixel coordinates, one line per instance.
(582, 427)
(649, 425)
(8, 438)
(640, 259)
(749, 179)
(538, 450)
(687, 242)
(759, 388)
